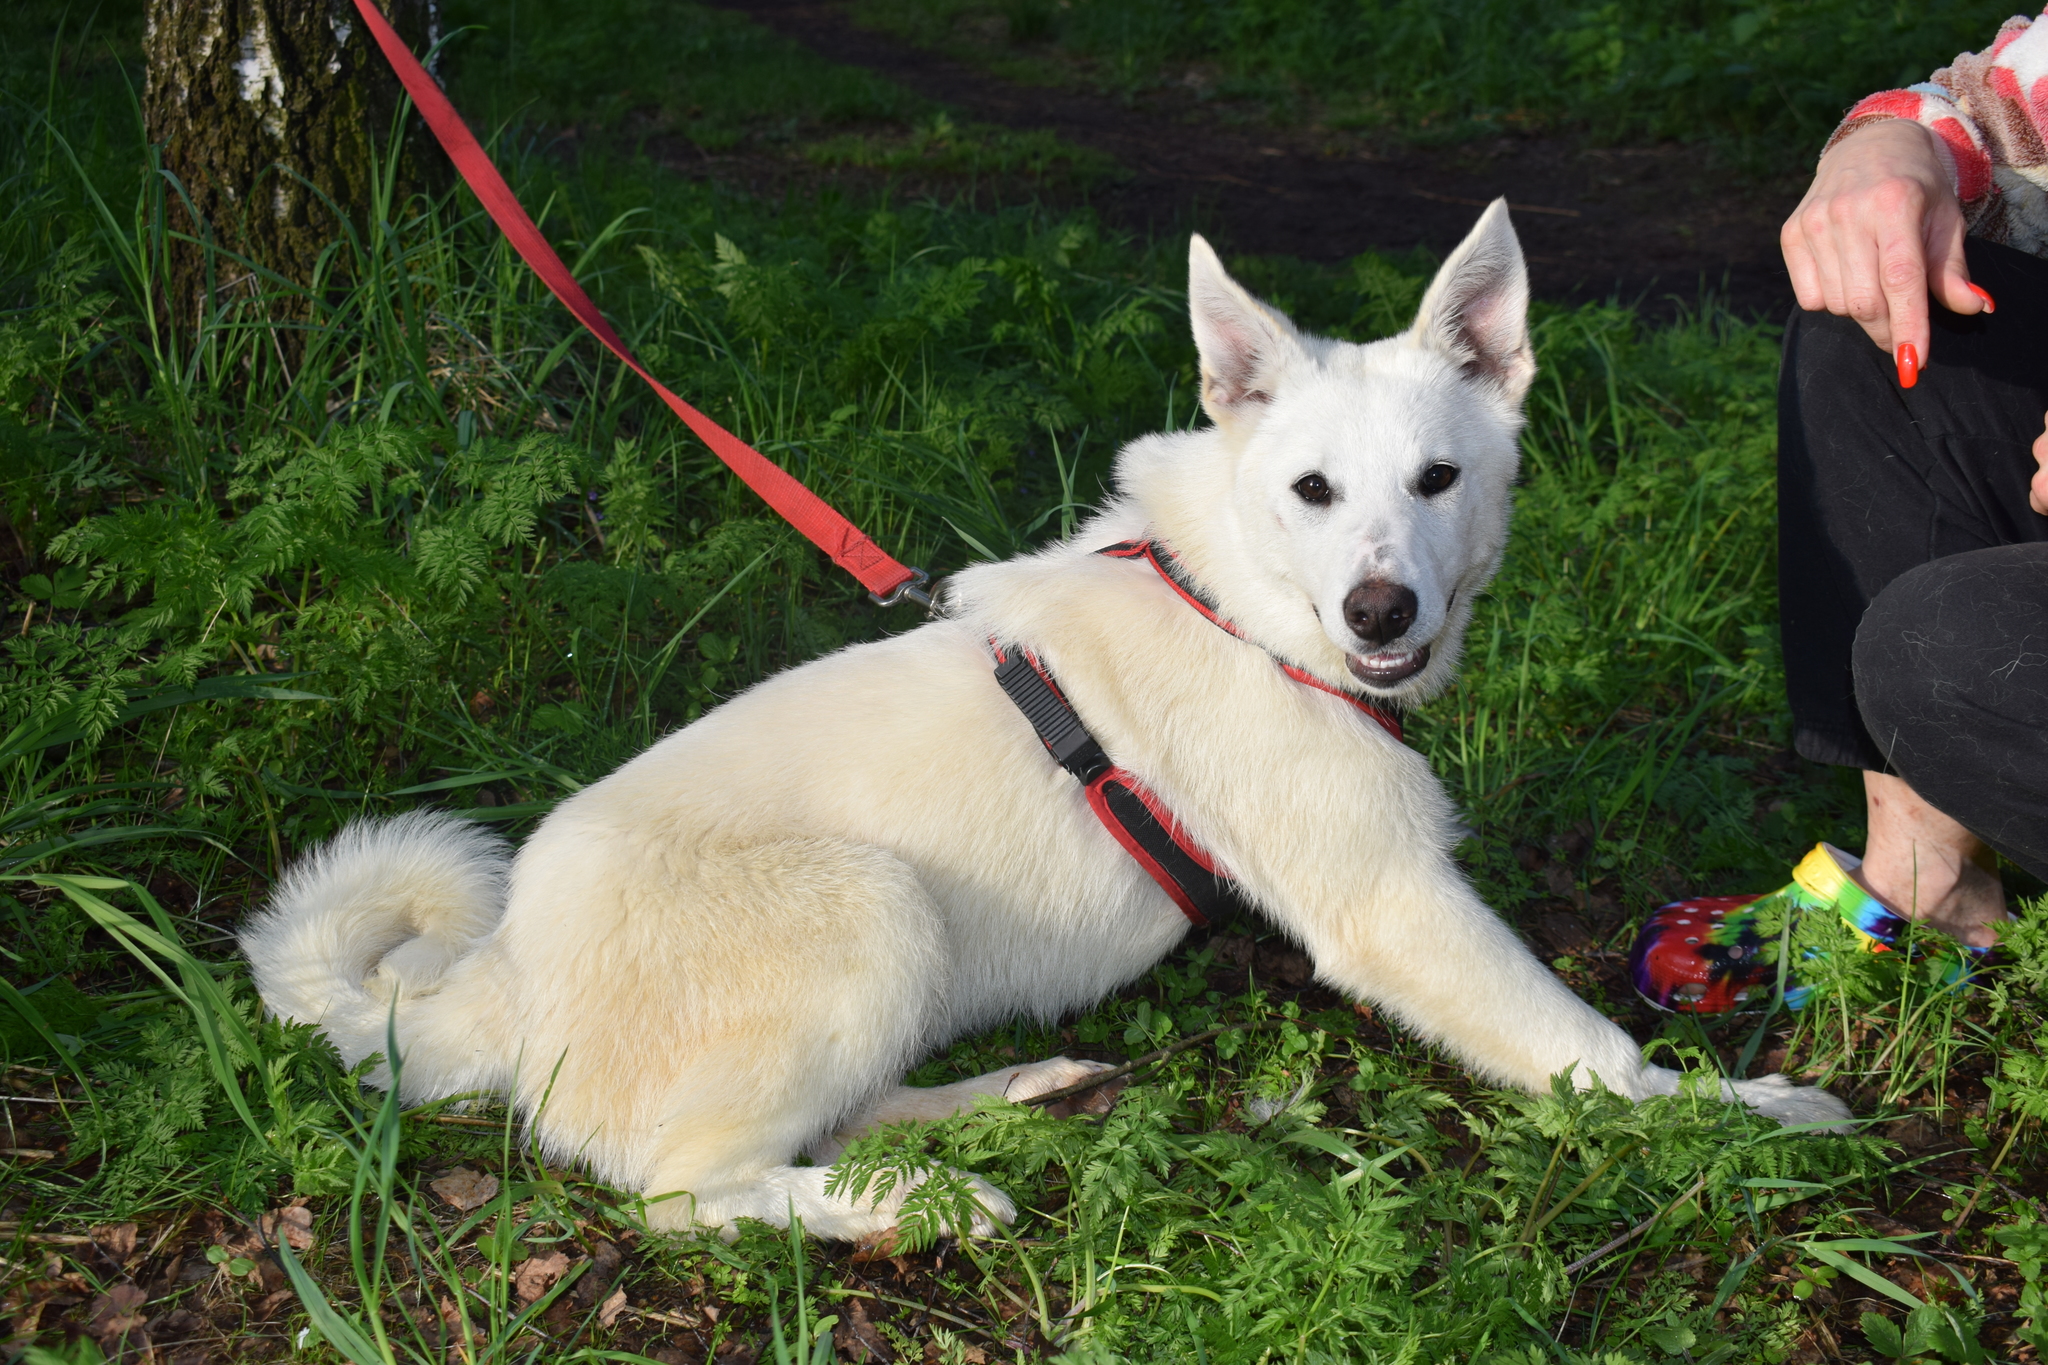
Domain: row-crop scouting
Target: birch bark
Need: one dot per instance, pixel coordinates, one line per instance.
(271, 115)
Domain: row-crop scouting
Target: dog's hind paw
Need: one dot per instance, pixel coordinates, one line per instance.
(1025, 1083)
(1776, 1097)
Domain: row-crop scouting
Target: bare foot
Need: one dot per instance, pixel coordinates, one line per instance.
(1927, 867)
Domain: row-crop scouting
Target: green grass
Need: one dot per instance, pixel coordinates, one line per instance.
(449, 554)
(1752, 75)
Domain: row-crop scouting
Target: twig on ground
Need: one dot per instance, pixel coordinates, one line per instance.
(1638, 1230)
(464, 1121)
(842, 1291)
(1517, 780)
(1740, 739)
(1989, 1176)
(1117, 1073)
(2024, 1199)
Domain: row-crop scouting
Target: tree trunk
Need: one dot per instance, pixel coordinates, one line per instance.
(262, 108)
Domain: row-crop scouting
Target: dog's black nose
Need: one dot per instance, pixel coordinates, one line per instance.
(1379, 613)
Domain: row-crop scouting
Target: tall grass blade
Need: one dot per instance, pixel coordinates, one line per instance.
(220, 1026)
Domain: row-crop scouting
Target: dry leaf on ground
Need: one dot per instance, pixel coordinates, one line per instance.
(466, 1189)
(876, 1246)
(178, 1324)
(117, 1240)
(451, 1318)
(536, 1274)
(119, 1310)
(608, 1311)
(293, 1225)
(595, 1283)
(858, 1339)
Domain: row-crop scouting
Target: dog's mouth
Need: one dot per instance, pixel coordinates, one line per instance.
(1388, 666)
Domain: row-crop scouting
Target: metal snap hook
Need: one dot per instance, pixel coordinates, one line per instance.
(913, 587)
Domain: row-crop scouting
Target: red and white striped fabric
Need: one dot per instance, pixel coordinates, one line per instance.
(1989, 111)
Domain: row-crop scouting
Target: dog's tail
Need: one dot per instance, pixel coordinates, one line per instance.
(361, 932)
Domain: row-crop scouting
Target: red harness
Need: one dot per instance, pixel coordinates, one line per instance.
(1168, 567)
(1132, 813)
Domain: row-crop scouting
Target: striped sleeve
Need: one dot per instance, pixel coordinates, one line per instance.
(1936, 109)
(1988, 112)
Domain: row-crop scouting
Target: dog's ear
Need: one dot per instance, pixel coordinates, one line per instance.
(1477, 309)
(1242, 342)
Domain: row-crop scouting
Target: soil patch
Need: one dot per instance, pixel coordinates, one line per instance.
(1638, 223)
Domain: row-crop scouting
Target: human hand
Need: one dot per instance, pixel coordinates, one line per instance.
(2037, 491)
(1878, 231)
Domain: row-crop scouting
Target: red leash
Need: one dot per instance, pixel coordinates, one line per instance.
(887, 581)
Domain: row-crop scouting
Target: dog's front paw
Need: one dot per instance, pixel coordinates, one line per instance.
(1778, 1098)
(1057, 1073)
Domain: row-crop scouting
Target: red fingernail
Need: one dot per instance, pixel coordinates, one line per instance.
(1909, 365)
(1990, 305)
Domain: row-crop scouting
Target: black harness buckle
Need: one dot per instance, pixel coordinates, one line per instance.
(1059, 729)
(1132, 814)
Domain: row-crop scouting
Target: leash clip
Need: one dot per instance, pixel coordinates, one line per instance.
(912, 587)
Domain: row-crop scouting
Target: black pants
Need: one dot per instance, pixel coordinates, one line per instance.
(1913, 577)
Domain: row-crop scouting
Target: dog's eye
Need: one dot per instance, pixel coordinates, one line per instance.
(1314, 490)
(1437, 478)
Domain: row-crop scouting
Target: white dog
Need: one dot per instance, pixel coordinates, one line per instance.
(728, 952)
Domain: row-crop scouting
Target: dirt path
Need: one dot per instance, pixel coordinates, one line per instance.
(1638, 222)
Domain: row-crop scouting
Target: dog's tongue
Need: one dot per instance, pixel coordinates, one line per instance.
(1387, 668)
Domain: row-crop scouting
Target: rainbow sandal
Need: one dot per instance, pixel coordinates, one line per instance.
(1705, 956)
